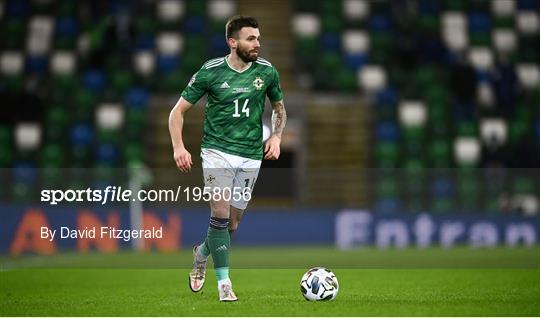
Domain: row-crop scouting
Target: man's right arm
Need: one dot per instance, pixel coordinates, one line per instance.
(182, 157)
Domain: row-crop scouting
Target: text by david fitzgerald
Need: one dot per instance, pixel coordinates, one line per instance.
(101, 232)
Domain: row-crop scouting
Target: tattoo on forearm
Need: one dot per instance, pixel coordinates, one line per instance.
(279, 118)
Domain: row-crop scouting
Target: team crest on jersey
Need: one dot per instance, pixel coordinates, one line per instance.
(258, 83)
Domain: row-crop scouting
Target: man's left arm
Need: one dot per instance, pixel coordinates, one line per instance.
(279, 119)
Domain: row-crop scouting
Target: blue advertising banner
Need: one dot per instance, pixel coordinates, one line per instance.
(355, 228)
(26, 229)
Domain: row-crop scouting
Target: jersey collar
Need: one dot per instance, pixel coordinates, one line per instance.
(237, 71)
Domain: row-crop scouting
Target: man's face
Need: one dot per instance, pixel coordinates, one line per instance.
(247, 44)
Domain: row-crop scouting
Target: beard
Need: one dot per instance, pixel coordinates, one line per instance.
(246, 55)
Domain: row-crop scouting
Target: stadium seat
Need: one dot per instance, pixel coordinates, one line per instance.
(107, 154)
(355, 9)
(39, 35)
(493, 131)
(63, 62)
(528, 22)
(505, 40)
(82, 134)
(529, 75)
(11, 63)
(144, 62)
(28, 136)
(53, 155)
(372, 78)
(412, 113)
(439, 154)
(467, 151)
(94, 80)
(109, 116)
(221, 9)
(170, 10)
(137, 97)
(503, 7)
(387, 131)
(306, 25)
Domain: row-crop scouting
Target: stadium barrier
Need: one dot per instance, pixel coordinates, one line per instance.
(30, 230)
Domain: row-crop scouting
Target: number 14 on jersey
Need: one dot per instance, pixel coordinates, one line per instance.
(245, 108)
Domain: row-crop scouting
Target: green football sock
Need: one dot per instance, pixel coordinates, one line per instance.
(219, 242)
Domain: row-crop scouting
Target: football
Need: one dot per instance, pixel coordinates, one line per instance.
(319, 283)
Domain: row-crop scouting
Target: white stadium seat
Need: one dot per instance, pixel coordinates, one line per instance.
(456, 40)
(221, 9)
(528, 22)
(454, 30)
(355, 9)
(503, 7)
(170, 10)
(170, 43)
(454, 20)
(504, 40)
(11, 63)
(493, 130)
(528, 74)
(467, 150)
(306, 25)
(145, 62)
(412, 113)
(355, 41)
(372, 77)
(63, 62)
(481, 58)
(83, 44)
(109, 116)
(27, 136)
(485, 95)
(38, 40)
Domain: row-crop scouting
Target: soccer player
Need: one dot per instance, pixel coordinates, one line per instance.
(232, 146)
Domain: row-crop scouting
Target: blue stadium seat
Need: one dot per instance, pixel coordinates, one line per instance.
(387, 131)
(137, 97)
(37, 64)
(218, 45)
(194, 25)
(145, 42)
(528, 5)
(94, 80)
(167, 63)
(66, 27)
(386, 96)
(479, 22)
(443, 187)
(82, 134)
(330, 41)
(355, 61)
(379, 23)
(25, 172)
(107, 153)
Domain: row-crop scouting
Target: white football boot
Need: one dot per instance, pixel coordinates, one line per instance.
(198, 272)
(225, 290)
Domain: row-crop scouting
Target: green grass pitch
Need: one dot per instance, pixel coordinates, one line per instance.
(411, 282)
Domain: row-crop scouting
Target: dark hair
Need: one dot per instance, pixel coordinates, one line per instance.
(238, 22)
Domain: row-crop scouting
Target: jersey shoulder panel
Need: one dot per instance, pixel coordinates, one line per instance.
(264, 62)
(213, 63)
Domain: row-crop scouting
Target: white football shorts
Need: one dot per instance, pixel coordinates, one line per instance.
(234, 175)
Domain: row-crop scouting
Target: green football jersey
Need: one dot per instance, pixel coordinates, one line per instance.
(233, 113)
